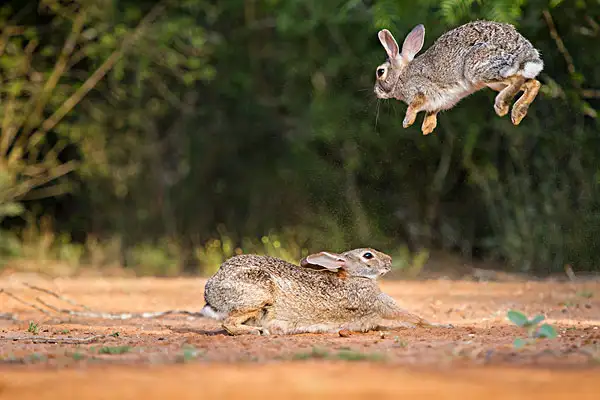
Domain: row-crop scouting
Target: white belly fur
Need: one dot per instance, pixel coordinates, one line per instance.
(449, 97)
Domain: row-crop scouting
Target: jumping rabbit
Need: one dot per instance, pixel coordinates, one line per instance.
(462, 61)
(327, 292)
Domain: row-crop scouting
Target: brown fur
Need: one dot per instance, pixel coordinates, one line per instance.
(342, 274)
(254, 294)
(462, 61)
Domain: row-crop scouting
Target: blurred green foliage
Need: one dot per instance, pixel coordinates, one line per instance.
(141, 128)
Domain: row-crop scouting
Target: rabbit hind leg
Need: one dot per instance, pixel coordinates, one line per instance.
(234, 324)
(251, 304)
(510, 87)
(530, 88)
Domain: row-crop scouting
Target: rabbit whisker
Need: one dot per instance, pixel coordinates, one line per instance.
(377, 114)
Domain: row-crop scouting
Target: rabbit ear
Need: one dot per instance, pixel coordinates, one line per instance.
(389, 43)
(330, 261)
(413, 43)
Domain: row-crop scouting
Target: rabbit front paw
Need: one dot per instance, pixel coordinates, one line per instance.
(413, 108)
(409, 118)
(429, 123)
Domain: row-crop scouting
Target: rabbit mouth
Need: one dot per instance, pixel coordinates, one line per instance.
(380, 93)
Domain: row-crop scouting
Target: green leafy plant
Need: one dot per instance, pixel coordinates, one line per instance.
(315, 353)
(532, 327)
(352, 355)
(345, 354)
(33, 328)
(36, 357)
(410, 263)
(189, 353)
(285, 246)
(114, 350)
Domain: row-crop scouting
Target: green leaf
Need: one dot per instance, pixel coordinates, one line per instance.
(517, 318)
(546, 331)
(537, 319)
(519, 343)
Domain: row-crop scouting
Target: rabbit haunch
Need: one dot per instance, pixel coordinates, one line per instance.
(462, 61)
(327, 292)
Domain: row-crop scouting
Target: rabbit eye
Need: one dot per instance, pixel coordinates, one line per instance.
(380, 72)
(368, 255)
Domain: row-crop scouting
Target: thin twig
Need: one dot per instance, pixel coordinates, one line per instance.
(28, 185)
(24, 302)
(57, 72)
(115, 316)
(559, 42)
(51, 293)
(61, 340)
(90, 313)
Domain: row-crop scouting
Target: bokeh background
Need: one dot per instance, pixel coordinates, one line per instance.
(161, 137)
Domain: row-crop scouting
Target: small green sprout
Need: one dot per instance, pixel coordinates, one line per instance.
(33, 328)
(345, 354)
(189, 353)
(36, 357)
(316, 352)
(352, 355)
(114, 350)
(534, 332)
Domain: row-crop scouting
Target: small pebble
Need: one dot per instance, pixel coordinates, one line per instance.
(344, 333)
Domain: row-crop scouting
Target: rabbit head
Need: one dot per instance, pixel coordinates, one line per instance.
(364, 262)
(388, 75)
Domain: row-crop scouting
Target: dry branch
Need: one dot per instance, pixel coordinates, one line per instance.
(23, 301)
(51, 293)
(90, 313)
(99, 73)
(559, 42)
(61, 340)
(59, 69)
(118, 316)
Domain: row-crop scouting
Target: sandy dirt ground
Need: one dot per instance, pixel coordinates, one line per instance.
(62, 356)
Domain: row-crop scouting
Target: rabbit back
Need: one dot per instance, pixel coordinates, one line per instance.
(480, 51)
